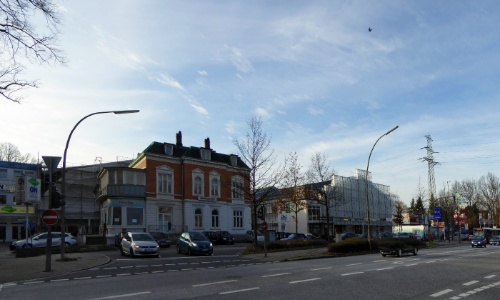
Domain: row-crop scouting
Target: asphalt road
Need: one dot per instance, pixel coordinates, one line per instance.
(439, 273)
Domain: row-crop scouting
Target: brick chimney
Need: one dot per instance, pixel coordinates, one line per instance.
(178, 139)
(207, 143)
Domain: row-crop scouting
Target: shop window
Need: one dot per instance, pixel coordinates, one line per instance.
(135, 216)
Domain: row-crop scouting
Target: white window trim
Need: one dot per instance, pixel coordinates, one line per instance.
(164, 170)
(198, 173)
(212, 176)
(239, 180)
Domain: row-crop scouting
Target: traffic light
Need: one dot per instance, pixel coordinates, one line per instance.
(260, 212)
(56, 199)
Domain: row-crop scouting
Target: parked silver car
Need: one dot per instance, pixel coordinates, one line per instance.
(39, 240)
(139, 244)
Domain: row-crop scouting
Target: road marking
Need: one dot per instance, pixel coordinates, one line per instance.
(490, 276)
(156, 265)
(409, 265)
(441, 293)
(238, 291)
(471, 282)
(376, 261)
(82, 278)
(124, 274)
(353, 264)
(57, 280)
(388, 268)
(169, 264)
(212, 283)
(121, 296)
(126, 267)
(155, 272)
(32, 282)
(305, 280)
(273, 275)
(109, 268)
(326, 268)
(353, 273)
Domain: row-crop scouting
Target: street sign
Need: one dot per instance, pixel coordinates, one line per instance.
(264, 226)
(437, 213)
(50, 217)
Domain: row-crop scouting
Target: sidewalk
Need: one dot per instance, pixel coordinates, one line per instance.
(33, 268)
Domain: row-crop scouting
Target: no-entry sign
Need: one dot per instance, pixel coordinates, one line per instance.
(50, 217)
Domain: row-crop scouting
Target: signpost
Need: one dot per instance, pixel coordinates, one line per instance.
(50, 217)
(263, 227)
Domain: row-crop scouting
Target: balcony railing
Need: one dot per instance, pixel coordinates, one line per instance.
(123, 190)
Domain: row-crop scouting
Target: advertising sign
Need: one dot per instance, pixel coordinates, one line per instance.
(33, 190)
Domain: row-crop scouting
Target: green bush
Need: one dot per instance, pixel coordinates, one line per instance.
(284, 246)
(362, 245)
(350, 245)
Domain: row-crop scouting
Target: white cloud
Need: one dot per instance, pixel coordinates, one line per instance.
(262, 112)
(315, 111)
(168, 80)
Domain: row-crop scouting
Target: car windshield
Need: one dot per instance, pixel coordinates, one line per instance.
(196, 236)
(159, 235)
(142, 237)
(477, 237)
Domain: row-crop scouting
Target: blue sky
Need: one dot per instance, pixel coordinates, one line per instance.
(320, 81)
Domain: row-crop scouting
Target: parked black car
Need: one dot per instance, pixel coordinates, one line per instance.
(161, 238)
(211, 235)
(224, 237)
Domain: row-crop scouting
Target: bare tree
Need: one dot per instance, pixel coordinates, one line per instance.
(256, 152)
(21, 39)
(489, 187)
(320, 188)
(292, 196)
(469, 190)
(9, 152)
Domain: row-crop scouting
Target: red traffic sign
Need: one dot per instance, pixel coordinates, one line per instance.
(264, 226)
(50, 217)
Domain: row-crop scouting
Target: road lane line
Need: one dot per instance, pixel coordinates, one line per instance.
(490, 276)
(305, 280)
(441, 293)
(58, 280)
(82, 278)
(212, 283)
(471, 282)
(353, 273)
(239, 291)
(325, 268)
(272, 275)
(383, 269)
(353, 264)
(121, 296)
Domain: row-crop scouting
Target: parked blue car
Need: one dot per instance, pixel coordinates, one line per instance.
(194, 243)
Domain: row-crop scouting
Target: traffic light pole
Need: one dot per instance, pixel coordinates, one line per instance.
(51, 162)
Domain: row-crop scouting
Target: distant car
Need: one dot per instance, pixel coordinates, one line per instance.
(139, 244)
(348, 235)
(478, 241)
(495, 240)
(40, 241)
(224, 238)
(295, 237)
(249, 236)
(194, 243)
(118, 238)
(385, 234)
(398, 247)
(161, 238)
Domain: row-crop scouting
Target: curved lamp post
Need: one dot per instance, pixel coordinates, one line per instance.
(63, 178)
(366, 187)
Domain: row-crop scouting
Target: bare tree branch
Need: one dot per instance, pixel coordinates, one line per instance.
(20, 39)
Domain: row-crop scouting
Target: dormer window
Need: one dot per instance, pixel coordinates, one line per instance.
(206, 154)
(234, 160)
(169, 149)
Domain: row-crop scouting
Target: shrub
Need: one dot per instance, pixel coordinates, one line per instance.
(350, 245)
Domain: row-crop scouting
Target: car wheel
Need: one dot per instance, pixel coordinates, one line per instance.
(131, 253)
(121, 251)
(415, 251)
(400, 252)
(384, 255)
(25, 246)
(189, 252)
(472, 246)
(178, 249)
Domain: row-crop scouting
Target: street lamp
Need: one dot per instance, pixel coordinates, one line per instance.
(366, 187)
(63, 178)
